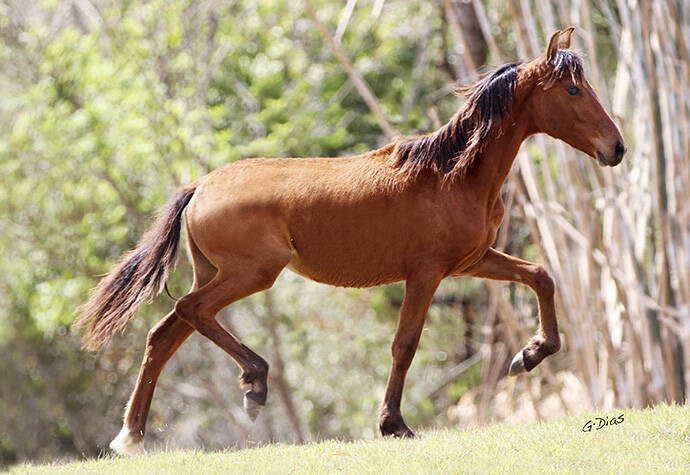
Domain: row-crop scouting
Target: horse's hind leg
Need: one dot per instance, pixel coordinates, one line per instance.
(161, 343)
(498, 266)
(238, 278)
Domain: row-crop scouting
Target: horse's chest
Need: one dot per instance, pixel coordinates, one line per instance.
(495, 217)
(475, 234)
(480, 225)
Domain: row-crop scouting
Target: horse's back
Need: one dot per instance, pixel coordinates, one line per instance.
(342, 221)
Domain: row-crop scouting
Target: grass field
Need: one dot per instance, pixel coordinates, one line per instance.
(649, 441)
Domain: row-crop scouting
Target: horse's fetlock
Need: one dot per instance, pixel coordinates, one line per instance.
(552, 345)
(386, 414)
(246, 378)
(262, 366)
(256, 371)
(387, 419)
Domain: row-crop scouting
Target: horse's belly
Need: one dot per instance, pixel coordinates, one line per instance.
(344, 272)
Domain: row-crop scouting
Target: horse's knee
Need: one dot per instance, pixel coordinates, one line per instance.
(543, 281)
(403, 348)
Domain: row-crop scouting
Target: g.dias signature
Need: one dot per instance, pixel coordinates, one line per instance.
(599, 423)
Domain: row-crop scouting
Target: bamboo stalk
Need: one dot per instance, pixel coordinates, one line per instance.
(664, 283)
(460, 38)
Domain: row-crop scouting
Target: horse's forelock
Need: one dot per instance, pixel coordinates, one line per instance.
(564, 62)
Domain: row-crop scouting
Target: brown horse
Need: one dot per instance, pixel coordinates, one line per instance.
(419, 210)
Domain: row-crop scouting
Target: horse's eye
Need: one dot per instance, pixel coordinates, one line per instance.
(573, 91)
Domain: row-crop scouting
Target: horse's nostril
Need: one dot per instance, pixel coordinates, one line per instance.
(620, 150)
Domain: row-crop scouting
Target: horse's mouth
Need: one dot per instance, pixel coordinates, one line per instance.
(601, 158)
(605, 162)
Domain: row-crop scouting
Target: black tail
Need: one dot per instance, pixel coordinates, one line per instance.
(139, 274)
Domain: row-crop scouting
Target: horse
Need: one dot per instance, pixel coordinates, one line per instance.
(418, 210)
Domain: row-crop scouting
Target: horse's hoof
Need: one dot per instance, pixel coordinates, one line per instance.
(253, 404)
(400, 433)
(517, 366)
(396, 428)
(126, 444)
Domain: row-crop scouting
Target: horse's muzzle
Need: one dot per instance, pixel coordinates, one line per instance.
(615, 158)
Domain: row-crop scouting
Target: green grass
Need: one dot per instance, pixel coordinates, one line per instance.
(648, 441)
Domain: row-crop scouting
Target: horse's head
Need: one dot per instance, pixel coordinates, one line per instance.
(564, 105)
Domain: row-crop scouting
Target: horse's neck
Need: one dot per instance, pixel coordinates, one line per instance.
(496, 159)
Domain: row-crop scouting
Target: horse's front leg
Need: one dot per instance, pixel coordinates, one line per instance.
(498, 266)
(419, 290)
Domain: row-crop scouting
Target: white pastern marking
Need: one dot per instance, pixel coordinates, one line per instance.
(125, 444)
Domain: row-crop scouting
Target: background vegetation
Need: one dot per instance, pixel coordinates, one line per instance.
(108, 105)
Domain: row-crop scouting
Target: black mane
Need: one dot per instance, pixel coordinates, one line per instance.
(455, 145)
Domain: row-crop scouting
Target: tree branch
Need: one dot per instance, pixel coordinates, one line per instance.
(356, 78)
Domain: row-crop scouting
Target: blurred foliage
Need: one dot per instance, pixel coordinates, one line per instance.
(109, 106)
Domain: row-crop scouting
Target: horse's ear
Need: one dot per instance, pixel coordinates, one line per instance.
(564, 38)
(559, 40)
(553, 46)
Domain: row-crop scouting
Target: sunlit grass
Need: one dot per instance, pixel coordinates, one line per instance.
(648, 441)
